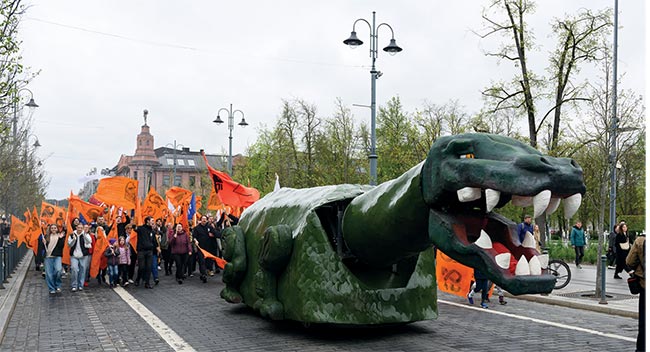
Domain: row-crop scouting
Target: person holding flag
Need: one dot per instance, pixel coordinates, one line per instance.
(146, 246)
(53, 241)
(79, 243)
(206, 236)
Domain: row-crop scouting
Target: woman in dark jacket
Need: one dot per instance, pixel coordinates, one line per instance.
(622, 249)
(53, 242)
(179, 242)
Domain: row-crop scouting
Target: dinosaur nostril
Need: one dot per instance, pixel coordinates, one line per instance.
(574, 164)
(545, 161)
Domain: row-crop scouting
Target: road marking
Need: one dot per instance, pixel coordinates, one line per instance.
(540, 321)
(170, 336)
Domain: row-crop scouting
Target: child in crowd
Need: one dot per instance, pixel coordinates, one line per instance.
(124, 260)
(481, 285)
(112, 254)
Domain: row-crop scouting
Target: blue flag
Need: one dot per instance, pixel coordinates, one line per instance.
(191, 210)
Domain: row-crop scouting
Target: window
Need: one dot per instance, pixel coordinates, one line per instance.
(192, 181)
(165, 180)
(190, 162)
(177, 180)
(135, 175)
(170, 161)
(181, 162)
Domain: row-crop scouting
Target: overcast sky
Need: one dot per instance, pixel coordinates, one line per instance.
(102, 62)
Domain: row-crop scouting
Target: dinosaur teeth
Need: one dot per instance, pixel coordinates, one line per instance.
(523, 268)
(543, 260)
(540, 202)
(522, 201)
(535, 266)
(503, 260)
(553, 204)
(529, 241)
(468, 194)
(491, 199)
(484, 241)
(571, 205)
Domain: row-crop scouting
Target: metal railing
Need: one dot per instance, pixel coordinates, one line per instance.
(10, 256)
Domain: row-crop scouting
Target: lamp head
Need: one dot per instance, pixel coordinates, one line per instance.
(31, 103)
(392, 48)
(353, 41)
(36, 144)
(218, 120)
(243, 123)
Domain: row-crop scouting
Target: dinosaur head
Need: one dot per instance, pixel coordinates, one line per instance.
(467, 177)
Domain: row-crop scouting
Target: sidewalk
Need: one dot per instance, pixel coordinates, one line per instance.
(582, 284)
(9, 295)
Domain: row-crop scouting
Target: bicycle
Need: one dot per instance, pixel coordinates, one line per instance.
(560, 269)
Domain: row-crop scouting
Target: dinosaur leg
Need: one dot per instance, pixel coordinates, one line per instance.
(235, 270)
(277, 244)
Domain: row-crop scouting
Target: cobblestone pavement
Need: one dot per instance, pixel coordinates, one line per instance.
(97, 319)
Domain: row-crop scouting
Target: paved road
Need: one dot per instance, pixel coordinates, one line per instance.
(99, 319)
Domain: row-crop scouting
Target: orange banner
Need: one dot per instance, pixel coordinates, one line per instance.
(154, 205)
(80, 208)
(52, 214)
(119, 191)
(17, 231)
(220, 262)
(177, 196)
(101, 243)
(453, 277)
(214, 203)
(133, 240)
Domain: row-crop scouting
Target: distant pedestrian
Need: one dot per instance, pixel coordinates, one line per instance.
(146, 247)
(577, 238)
(166, 249)
(481, 285)
(636, 260)
(181, 248)
(537, 235)
(525, 227)
(611, 247)
(622, 249)
(53, 242)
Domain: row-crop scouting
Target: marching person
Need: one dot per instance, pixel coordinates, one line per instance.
(146, 246)
(124, 260)
(179, 242)
(53, 242)
(79, 243)
(113, 254)
(577, 237)
(206, 237)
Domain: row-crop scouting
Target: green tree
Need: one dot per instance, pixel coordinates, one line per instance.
(397, 140)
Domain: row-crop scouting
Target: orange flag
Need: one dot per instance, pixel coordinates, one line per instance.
(133, 240)
(101, 243)
(35, 231)
(220, 262)
(112, 233)
(181, 218)
(230, 192)
(177, 196)
(453, 277)
(119, 191)
(154, 205)
(81, 209)
(68, 230)
(52, 214)
(17, 231)
(214, 203)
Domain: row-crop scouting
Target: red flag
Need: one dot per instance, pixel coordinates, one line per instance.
(230, 192)
(220, 262)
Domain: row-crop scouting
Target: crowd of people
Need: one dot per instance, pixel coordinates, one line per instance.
(160, 246)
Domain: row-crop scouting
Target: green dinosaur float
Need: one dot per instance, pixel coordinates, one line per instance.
(351, 254)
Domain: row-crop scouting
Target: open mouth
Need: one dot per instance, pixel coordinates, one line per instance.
(489, 242)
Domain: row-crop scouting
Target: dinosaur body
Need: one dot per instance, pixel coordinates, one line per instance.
(351, 254)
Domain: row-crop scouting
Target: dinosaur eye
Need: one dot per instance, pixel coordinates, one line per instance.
(467, 156)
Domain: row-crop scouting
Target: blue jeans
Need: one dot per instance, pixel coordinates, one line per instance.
(53, 272)
(113, 274)
(154, 267)
(78, 271)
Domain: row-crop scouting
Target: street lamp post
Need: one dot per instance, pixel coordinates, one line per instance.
(392, 49)
(174, 153)
(231, 125)
(31, 104)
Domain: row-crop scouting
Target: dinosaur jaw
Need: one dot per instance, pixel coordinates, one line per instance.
(489, 243)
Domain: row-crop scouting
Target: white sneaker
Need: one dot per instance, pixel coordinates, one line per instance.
(58, 290)
(130, 281)
(74, 289)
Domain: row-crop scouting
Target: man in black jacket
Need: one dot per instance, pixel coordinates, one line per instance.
(207, 236)
(145, 248)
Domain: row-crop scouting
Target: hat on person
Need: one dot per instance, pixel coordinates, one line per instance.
(112, 241)
(4, 217)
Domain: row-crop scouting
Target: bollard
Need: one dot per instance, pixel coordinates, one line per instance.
(603, 270)
(5, 264)
(2, 266)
